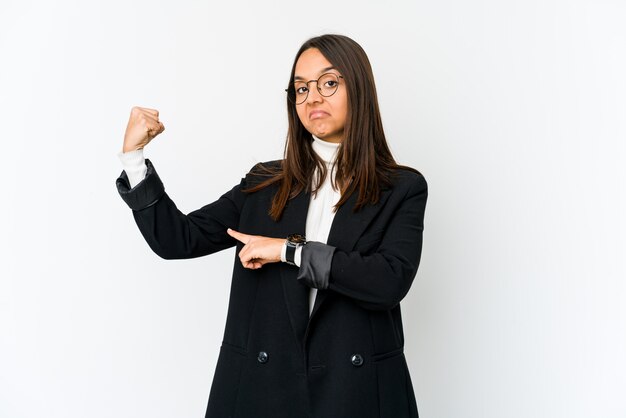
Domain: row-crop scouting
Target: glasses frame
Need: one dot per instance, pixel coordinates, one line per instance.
(292, 90)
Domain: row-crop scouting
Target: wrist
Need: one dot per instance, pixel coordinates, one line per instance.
(125, 150)
(292, 243)
(283, 250)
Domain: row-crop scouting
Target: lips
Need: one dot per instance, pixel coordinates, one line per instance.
(316, 114)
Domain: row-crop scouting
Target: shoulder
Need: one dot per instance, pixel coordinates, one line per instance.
(267, 165)
(262, 172)
(408, 180)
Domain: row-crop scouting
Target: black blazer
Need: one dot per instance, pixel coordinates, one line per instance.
(344, 361)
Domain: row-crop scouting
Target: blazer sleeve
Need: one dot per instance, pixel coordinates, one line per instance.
(380, 280)
(172, 234)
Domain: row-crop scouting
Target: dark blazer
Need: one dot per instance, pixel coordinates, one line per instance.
(344, 361)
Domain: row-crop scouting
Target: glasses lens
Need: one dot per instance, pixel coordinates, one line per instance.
(300, 92)
(327, 84)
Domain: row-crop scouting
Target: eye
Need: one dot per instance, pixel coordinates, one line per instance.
(301, 90)
(331, 83)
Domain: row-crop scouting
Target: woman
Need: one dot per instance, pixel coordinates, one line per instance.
(314, 326)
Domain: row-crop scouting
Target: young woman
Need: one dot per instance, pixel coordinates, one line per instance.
(329, 240)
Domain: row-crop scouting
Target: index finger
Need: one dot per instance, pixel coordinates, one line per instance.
(238, 236)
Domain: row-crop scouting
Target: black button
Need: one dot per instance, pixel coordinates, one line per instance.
(357, 360)
(262, 357)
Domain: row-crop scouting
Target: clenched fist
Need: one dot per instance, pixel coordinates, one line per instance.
(143, 126)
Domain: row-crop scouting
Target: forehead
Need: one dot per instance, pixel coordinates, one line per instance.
(311, 64)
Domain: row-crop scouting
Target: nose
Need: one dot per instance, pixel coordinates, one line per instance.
(314, 94)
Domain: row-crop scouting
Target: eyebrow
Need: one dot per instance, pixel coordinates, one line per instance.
(324, 70)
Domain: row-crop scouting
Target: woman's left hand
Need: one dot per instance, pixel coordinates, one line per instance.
(257, 250)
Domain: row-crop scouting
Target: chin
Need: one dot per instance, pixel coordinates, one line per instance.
(317, 133)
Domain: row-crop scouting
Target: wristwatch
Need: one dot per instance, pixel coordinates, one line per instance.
(293, 241)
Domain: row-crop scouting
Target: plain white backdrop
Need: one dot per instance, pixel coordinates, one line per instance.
(514, 111)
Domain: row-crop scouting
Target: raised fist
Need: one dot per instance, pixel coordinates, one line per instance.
(143, 125)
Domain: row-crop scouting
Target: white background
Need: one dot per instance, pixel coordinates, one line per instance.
(514, 111)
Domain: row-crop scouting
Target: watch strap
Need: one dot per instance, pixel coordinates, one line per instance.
(292, 243)
(290, 252)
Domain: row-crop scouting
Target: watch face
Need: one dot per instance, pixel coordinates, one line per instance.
(296, 238)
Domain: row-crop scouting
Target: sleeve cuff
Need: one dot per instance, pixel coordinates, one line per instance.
(315, 263)
(146, 193)
(134, 165)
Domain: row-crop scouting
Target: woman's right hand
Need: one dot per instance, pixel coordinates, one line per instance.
(143, 126)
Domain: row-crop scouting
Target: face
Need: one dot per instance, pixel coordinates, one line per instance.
(324, 117)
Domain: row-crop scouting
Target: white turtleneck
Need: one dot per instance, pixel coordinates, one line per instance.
(321, 207)
(134, 165)
(321, 212)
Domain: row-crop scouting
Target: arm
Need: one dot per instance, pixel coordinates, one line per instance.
(172, 234)
(379, 280)
(169, 232)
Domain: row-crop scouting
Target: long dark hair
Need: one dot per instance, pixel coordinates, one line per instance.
(364, 162)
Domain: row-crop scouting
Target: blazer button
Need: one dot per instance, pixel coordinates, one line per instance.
(262, 357)
(357, 360)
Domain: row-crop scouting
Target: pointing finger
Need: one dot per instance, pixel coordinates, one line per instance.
(238, 236)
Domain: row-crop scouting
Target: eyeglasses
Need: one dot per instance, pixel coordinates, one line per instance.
(327, 85)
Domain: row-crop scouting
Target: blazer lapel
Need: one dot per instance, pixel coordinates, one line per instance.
(347, 228)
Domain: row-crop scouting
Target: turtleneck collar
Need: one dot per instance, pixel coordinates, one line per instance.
(326, 150)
